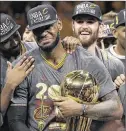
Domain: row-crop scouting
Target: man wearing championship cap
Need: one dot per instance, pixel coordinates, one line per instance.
(86, 25)
(118, 50)
(36, 101)
(10, 49)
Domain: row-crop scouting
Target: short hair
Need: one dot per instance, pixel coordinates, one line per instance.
(109, 16)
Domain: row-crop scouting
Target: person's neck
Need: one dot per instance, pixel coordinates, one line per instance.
(91, 48)
(56, 55)
(119, 49)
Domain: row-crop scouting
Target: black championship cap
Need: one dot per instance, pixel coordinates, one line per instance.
(41, 15)
(87, 8)
(7, 27)
(108, 26)
(120, 18)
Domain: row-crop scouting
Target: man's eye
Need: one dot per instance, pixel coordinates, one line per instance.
(5, 41)
(80, 21)
(90, 21)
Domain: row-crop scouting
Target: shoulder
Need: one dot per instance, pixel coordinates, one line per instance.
(84, 54)
(114, 65)
(114, 60)
(81, 51)
(33, 52)
(89, 61)
(110, 58)
(30, 45)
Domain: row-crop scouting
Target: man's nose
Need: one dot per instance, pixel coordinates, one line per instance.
(84, 24)
(14, 42)
(44, 33)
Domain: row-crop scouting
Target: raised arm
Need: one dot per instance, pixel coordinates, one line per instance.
(14, 77)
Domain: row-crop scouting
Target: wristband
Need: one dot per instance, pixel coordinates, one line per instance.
(84, 109)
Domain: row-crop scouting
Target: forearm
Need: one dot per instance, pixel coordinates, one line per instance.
(6, 95)
(106, 110)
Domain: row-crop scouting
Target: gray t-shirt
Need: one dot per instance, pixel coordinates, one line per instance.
(113, 65)
(115, 68)
(34, 90)
(30, 45)
(3, 67)
(122, 95)
(3, 61)
(120, 57)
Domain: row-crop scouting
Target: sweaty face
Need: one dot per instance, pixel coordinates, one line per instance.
(11, 46)
(86, 28)
(121, 36)
(47, 37)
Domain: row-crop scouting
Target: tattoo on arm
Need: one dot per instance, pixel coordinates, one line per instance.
(105, 109)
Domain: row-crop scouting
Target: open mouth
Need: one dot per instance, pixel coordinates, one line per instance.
(84, 33)
(45, 39)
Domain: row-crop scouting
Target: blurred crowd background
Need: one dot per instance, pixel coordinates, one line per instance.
(18, 9)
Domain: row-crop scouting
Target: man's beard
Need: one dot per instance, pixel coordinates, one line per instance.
(11, 53)
(87, 43)
(52, 46)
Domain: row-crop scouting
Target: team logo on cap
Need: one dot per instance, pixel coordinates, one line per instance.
(45, 11)
(107, 29)
(6, 26)
(85, 7)
(92, 6)
(39, 16)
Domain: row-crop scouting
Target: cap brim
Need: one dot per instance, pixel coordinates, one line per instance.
(73, 17)
(41, 25)
(119, 24)
(108, 37)
(10, 34)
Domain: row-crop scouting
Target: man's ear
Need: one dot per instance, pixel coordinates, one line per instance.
(59, 24)
(72, 25)
(115, 33)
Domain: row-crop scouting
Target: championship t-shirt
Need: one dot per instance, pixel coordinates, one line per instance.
(35, 92)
